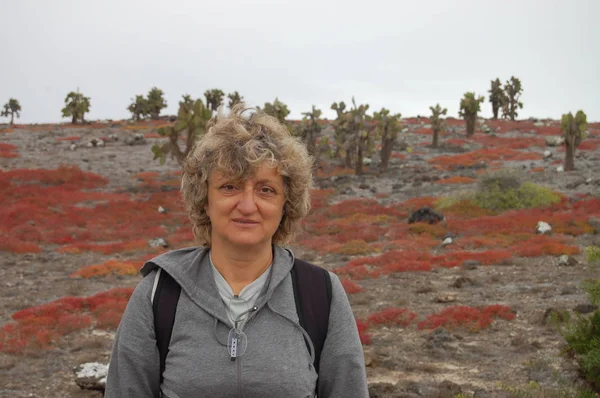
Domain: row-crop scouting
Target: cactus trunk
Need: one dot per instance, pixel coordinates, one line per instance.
(436, 135)
(470, 126)
(386, 153)
(569, 164)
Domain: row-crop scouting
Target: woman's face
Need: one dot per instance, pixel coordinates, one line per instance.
(245, 213)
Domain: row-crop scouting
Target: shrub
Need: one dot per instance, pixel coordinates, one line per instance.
(593, 254)
(501, 191)
(583, 337)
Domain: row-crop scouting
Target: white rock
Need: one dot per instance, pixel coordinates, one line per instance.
(92, 369)
(560, 169)
(91, 376)
(100, 143)
(89, 145)
(588, 180)
(543, 227)
(158, 242)
(367, 161)
(556, 140)
(161, 209)
(72, 147)
(547, 154)
(447, 241)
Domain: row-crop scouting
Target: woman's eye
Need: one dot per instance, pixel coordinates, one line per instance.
(267, 190)
(228, 187)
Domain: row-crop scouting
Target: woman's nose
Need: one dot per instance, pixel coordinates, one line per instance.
(247, 203)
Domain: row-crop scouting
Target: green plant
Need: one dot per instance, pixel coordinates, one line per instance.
(343, 147)
(388, 127)
(497, 97)
(12, 108)
(214, 98)
(362, 137)
(234, 98)
(582, 335)
(155, 102)
(310, 129)
(495, 196)
(76, 105)
(593, 254)
(192, 120)
(574, 129)
(277, 109)
(437, 123)
(186, 100)
(469, 108)
(510, 102)
(592, 288)
(138, 108)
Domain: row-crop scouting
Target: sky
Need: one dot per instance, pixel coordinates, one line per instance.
(402, 55)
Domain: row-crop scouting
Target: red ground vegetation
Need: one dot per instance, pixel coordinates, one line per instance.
(473, 319)
(392, 316)
(41, 327)
(456, 180)
(68, 212)
(470, 159)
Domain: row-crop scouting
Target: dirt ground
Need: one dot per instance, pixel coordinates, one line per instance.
(401, 362)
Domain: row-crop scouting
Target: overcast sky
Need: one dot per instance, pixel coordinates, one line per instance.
(402, 55)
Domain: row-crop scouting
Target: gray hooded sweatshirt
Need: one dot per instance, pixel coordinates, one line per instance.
(276, 363)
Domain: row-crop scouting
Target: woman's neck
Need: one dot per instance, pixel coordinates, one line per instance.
(240, 267)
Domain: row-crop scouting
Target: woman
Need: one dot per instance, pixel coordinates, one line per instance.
(236, 331)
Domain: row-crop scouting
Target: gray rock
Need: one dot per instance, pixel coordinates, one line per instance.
(91, 376)
(567, 261)
(158, 242)
(555, 140)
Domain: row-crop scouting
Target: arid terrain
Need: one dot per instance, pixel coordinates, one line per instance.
(71, 240)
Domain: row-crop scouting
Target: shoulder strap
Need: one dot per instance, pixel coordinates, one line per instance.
(164, 306)
(312, 288)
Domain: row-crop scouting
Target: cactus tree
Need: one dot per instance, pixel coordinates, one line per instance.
(469, 108)
(12, 108)
(512, 92)
(138, 108)
(234, 98)
(438, 124)
(214, 98)
(156, 102)
(342, 133)
(574, 130)
(310, 129)
(76, 105)
(497, 97)
(191, 119)
(388, 127)
(277, 109)
(360, 134)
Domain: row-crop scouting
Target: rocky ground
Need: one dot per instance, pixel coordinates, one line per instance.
(401, 362)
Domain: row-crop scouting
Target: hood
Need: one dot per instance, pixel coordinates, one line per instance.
(190, 267)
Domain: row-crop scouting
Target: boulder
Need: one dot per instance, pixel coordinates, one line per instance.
(91, 376)
(425, 214)
(555, 140)
(543, 228)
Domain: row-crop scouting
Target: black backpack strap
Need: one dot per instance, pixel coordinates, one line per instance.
(164, 306)
(312, 288)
